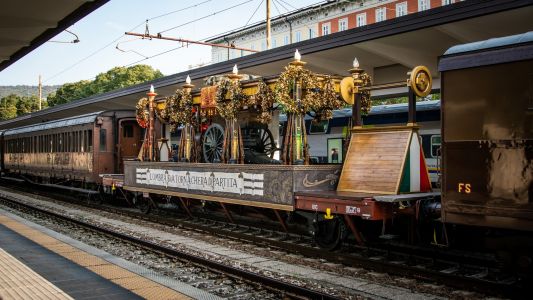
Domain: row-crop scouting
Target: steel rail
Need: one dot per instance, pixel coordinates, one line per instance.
(351, 259)
(273, 283)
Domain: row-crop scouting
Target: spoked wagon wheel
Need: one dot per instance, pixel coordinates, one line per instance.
(265, 142)
(212, 143)
(329, 234)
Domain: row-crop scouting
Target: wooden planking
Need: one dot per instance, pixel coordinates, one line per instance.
(374, 161)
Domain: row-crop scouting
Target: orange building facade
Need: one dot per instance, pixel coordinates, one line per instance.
(381, 11)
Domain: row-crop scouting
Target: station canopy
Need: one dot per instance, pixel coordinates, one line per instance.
(25, 25)
(387, 50)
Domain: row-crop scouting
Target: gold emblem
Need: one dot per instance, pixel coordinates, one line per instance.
(420, 81)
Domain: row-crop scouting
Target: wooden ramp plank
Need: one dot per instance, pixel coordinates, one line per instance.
(374, 161)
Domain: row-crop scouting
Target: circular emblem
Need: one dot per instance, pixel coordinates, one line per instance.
(420, 81)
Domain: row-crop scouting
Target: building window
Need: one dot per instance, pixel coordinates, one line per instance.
(263, 46)
(380, 14)
(286, 40)
(423, 5)
(252, 47)
(343, 24)
(298, 37)
(274, 43)
(446, 2)
(361, 19)
(325, 28)
(311, 33)
(401, 9)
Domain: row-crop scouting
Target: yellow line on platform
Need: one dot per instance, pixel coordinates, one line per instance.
(137, 284)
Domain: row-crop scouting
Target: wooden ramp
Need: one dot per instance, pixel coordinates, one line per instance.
(386, 160)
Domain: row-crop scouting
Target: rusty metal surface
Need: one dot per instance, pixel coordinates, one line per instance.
(366, 208)
(259, 183)
(488, 146)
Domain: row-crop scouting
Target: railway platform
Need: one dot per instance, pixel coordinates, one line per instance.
(38, 263)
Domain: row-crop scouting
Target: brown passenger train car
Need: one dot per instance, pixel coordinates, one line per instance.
(487, 129)
(73, 149)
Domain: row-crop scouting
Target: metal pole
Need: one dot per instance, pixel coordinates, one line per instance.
(40, 92)
(268, 23)
(356, 110)
(412, 107)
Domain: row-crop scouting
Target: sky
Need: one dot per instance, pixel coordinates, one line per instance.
(98, 32)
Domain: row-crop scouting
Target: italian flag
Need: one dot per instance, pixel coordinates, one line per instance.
(415, 176)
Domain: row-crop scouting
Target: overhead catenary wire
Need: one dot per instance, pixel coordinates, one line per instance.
(255, 11)
(206, 16)
(118, 38)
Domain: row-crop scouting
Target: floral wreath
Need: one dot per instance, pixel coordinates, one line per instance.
(284, 88)
(330, 101)
(142, 112)
(265, 98)
(178, 109)
(229, 98)
(366, 104)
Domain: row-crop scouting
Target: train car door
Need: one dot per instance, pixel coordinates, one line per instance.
(129, 141)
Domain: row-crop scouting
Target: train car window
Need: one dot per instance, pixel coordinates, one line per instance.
(103, 140)
(127, 131)
(90, 140)
(319, 127)
(80, 141)
(76, 141)
(435, 145)
(84, 141)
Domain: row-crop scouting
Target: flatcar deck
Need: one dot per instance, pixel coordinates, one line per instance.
(35, 265)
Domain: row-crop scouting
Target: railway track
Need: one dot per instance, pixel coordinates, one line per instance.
(454, 269)
(213, 272)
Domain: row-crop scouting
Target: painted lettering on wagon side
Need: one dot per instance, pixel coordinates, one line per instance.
(237, 183)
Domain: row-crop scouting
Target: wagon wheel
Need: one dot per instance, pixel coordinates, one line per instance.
(329, 234)
(265, 142)
(212, 143)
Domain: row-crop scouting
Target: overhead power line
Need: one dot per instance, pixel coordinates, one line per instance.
(118, 38)
(206, 16)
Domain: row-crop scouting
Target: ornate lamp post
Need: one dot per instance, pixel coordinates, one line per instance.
(298, 118)
(188, 129)
(151, 116)
(357, 82)
(233, 126)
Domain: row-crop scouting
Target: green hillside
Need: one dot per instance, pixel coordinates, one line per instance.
(26, 90)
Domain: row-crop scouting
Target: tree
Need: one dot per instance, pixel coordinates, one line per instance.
(120, 77)
(69, 92)
(28, 104)
(8, 107)
(116, 78)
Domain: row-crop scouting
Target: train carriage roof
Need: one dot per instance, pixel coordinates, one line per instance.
(77, 120)
(488, 52)
(387, 109)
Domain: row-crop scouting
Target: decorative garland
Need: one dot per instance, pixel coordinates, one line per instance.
(366, 104)
(265, 98)
(142, 112)
(230, 98)
(179, 109)
(330, 101)
(309, 86)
